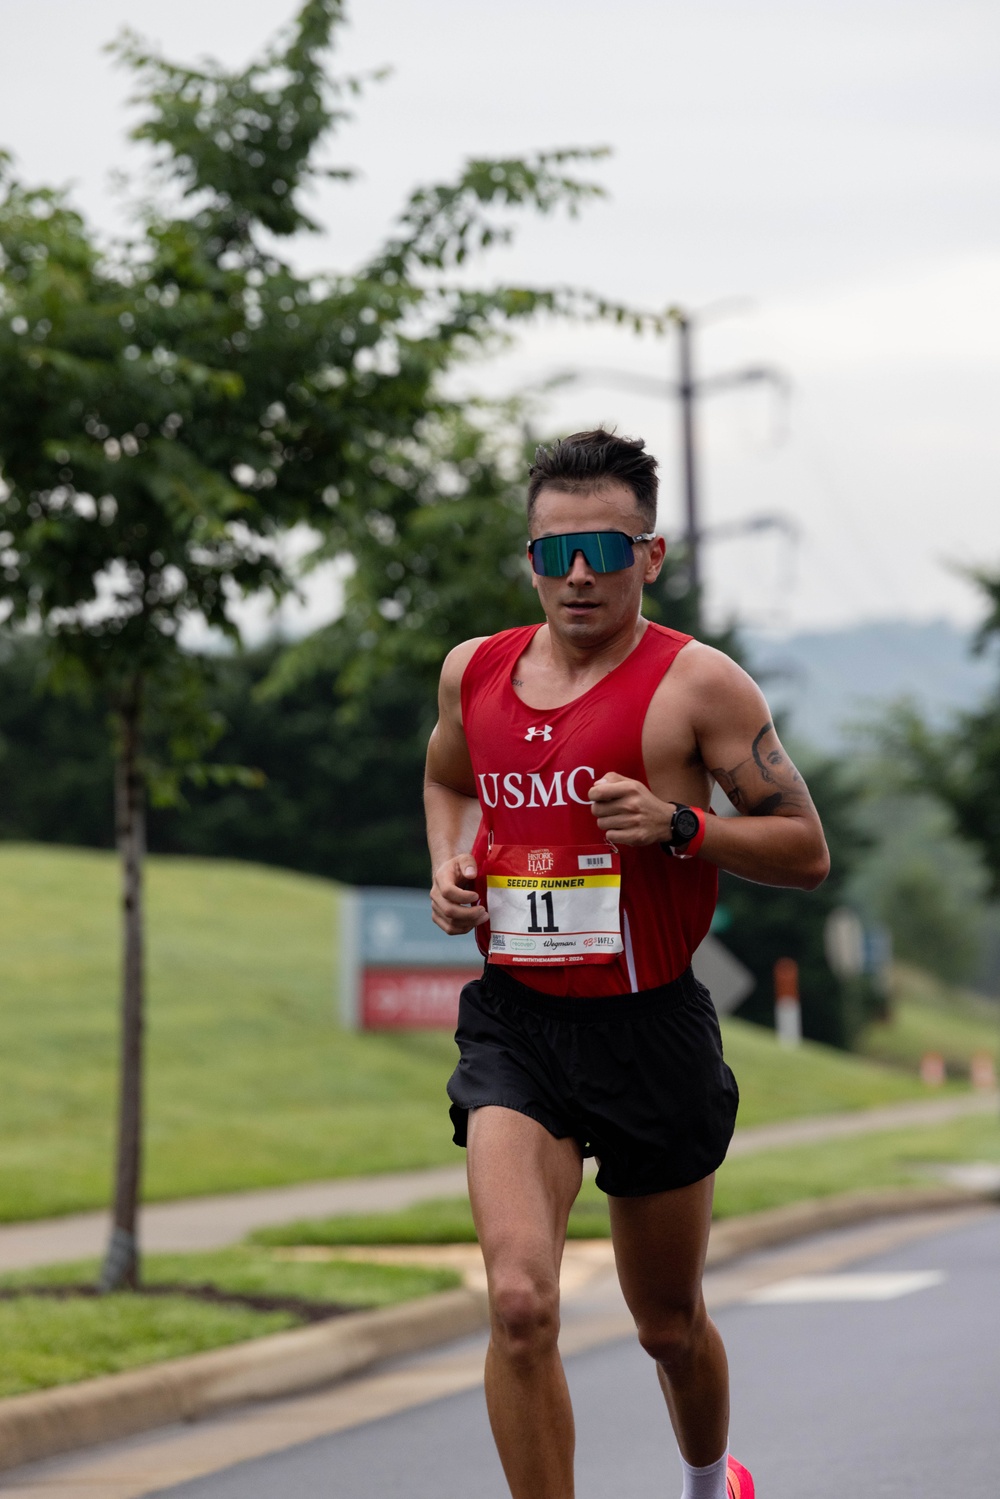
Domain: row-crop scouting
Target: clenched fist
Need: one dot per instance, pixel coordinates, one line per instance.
(454, 903)
(628, 812)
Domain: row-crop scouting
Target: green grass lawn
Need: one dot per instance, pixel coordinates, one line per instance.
(779, 1084)
(44, 1342)
(747, 1184)
(445, 1220)
(750, 1183)
(251, 1082)
(248, 1269)
(930, 1015)
(48, 1343)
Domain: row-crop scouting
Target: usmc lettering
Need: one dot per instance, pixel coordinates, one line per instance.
(530, 789)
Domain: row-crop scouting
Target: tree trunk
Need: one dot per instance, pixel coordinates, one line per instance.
(121, 1264)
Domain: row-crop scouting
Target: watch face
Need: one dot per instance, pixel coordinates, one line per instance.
(684, 826)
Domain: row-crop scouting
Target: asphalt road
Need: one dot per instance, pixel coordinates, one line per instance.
(880, 1398)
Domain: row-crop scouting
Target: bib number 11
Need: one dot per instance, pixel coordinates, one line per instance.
(549, 904)
(553, 905)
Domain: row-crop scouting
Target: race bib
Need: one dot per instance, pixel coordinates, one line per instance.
(553, 905)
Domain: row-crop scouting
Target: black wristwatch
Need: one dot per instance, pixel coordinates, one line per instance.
(683, 826)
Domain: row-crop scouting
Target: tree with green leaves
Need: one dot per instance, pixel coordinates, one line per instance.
(959, 766)
(177, 405)
(761, 923)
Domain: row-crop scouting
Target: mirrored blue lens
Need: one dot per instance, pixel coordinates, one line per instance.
(604, 551)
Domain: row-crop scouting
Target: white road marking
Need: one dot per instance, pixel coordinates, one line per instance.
(872, 1285)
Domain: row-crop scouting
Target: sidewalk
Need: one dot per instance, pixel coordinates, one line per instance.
(214, 1222)
(194, 1223)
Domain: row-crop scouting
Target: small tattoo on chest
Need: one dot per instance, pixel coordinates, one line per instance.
(517, 681)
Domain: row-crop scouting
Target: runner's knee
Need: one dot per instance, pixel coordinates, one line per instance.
(525, 1316)
(670, 1334)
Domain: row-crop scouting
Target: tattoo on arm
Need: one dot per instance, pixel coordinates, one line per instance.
(765, 782)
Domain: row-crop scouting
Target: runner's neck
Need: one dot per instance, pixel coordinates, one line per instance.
(553, 672)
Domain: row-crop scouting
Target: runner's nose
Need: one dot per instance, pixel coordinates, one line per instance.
(580, 570)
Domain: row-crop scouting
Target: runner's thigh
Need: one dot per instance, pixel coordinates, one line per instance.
(660, 1246)
(522, 1183)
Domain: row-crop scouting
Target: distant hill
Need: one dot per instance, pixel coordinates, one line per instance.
(824, 680)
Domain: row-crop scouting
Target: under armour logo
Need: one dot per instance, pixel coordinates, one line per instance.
(545, 732)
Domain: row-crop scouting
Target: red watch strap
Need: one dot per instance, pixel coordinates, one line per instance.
(693, 844)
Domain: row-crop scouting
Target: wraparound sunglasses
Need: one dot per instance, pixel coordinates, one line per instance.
(603, 551)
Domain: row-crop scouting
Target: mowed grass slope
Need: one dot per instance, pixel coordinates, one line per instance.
(251, 1081)
(779, 1084)
(930, 1015)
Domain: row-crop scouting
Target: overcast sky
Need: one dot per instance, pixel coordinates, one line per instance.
(835, 162)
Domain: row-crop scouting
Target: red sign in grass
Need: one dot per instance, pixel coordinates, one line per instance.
(412, 998)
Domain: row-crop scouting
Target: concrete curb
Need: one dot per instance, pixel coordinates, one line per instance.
(83, 1415)
(48, 1422)
(733, 1237)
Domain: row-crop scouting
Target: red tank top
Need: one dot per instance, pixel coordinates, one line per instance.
(534, 768)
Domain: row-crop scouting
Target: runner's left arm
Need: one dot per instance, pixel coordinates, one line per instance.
(777, 839)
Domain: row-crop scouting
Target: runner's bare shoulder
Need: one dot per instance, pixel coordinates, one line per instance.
(703, 688)
(453, 670)
(701, 669)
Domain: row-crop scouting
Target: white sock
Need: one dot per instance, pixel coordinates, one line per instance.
(705, 1483)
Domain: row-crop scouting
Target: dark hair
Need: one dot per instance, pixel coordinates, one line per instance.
(593, 460)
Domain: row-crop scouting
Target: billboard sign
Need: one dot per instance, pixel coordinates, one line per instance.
(398, 971)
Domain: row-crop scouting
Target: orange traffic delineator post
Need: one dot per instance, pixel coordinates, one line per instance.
(982, 1071)
(932, 1069)
(787, 1008)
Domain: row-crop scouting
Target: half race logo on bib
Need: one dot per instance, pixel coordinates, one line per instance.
(541, 861)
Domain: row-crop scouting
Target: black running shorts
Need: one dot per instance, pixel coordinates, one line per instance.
(638, 1080)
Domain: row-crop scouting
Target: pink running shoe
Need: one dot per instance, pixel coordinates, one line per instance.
(739, 1484)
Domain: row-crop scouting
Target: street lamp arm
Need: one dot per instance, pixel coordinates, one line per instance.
(753, 375)
(649, 385)
(646, 385)
(771, 521)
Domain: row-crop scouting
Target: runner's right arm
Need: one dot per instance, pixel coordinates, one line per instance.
(451, 805)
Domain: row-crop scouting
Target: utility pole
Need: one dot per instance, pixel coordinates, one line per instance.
(687, 390)
(686, 394)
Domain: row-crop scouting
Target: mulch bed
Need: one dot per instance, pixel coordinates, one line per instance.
(306, 1311)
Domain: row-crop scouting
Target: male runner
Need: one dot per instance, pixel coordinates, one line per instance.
(568, 780)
